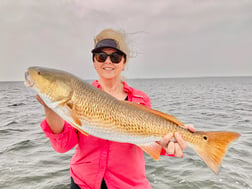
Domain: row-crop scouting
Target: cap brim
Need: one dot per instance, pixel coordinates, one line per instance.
(107, 43)
(99, 49)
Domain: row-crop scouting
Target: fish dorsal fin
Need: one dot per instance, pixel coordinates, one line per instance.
(153, 149)
(156, 112)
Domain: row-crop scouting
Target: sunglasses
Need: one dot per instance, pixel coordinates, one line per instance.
(115, 57)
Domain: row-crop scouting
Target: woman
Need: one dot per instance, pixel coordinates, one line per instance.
(99, 163)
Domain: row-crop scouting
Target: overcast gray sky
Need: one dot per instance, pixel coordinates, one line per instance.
(182, 38)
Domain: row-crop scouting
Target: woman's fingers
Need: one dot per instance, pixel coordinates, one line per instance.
(165, 140)
(174, 145)
(180, 141)
(173, 148)
(190, 127)
(178, 150)
(170, 148)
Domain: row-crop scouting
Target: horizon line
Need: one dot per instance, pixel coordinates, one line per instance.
(176, 77)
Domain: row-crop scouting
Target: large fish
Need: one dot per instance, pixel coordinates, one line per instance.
(97, 113)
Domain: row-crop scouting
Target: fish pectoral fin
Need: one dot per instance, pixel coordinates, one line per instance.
(62, 102)
(76, 120)
(83, 132)
(156, 112)
(70, 104)
(153, 149)
(77, 125)
(71, 113)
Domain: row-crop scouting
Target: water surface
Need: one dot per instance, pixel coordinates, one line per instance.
(28, 161)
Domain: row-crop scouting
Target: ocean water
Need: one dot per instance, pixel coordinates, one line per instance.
(28, 161)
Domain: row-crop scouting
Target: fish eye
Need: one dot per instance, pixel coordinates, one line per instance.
(205, 137)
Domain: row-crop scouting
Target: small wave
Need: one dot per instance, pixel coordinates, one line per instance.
(9, 131)
(16, 104)
(25, 144)
(4, 131)
(9, 123)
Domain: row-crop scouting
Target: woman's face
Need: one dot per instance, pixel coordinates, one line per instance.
(108, 69)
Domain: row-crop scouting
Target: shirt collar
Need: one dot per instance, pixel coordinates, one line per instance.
(96, 84)
(126, 87)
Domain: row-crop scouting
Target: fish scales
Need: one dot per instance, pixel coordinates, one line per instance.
(94, 112)
(122, 117)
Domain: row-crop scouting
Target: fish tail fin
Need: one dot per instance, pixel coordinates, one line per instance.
(213, 146)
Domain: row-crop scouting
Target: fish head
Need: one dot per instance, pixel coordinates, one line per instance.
(52, 85)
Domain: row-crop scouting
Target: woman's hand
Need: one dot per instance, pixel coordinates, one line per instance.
(177, 146)
(55, 122)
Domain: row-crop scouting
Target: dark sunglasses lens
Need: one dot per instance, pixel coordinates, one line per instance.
(116, 57)
(101, 57)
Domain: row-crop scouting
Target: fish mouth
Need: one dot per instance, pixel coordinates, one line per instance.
(28, 80)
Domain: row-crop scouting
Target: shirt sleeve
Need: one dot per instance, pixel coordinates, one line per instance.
(63, 141)
(147, 101)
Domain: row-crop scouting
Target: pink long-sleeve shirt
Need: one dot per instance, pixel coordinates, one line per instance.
(122, 165)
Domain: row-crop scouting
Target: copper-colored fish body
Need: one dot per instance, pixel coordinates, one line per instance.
(97, 113)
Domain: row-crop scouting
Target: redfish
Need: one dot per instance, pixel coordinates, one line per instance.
(94, 112)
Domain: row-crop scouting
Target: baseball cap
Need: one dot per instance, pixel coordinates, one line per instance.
(107, 43)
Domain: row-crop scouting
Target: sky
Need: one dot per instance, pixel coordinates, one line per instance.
(167, 38)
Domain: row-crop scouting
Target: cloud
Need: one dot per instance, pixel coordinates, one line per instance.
(167, 38)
